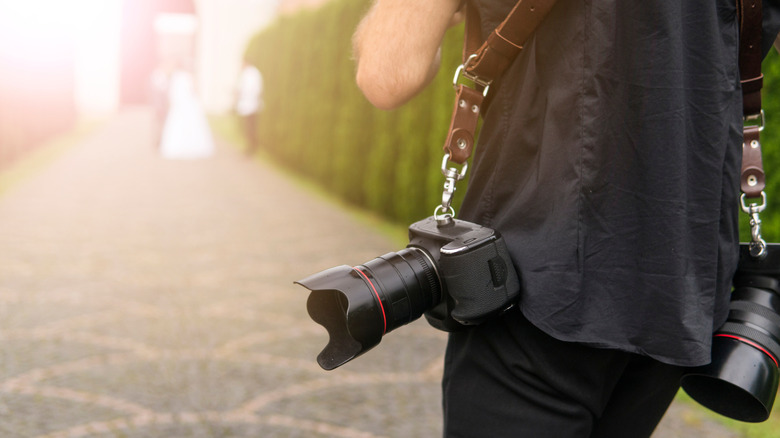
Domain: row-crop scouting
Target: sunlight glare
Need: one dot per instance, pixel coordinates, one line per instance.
(36, 30)
(44, 19)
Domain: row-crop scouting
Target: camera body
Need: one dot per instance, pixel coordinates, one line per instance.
(476, 272)
(458, 273)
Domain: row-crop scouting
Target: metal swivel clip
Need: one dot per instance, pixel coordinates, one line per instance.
(451, 177)
(757, 244)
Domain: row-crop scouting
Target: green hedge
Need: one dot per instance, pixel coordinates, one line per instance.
(770, 146)
(318, 123)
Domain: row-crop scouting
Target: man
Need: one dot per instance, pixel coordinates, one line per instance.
(609, 161)
(249, 103)
(159, 98)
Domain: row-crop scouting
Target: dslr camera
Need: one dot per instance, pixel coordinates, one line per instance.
(455, 272)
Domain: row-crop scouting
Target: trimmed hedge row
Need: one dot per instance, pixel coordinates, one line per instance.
(318, 123)
(770, 147)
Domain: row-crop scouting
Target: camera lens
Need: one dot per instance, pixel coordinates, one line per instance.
(358, 305)
(741, 381)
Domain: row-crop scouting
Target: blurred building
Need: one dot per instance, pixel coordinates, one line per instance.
(206, 36)
(209, 36)
(61, 60)
(146, 37)
(86, 58)
(37, 58)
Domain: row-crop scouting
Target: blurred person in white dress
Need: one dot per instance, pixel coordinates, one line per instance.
(186, 133)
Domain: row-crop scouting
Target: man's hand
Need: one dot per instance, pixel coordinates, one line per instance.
(397, 47)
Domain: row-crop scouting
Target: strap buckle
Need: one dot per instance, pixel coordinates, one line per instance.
(755, 120)
(461, 71)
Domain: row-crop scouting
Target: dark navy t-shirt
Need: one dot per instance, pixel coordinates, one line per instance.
(609, 160)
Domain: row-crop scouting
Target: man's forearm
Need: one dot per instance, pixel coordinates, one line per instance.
(397, 48)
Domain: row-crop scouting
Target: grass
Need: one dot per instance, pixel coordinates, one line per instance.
(767, 429)
(43, 155)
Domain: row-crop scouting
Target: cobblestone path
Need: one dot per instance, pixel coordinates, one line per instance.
(148, 298)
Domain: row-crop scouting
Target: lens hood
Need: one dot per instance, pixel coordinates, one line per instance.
(339, 302)
(740, 382)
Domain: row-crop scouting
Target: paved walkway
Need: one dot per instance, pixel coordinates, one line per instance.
(148, 298)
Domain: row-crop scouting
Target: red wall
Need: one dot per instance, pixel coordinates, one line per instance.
(139, 46)
(36, 89)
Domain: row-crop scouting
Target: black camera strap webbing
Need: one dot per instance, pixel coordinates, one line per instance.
(484, 62)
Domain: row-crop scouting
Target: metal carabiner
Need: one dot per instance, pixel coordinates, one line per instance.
(753, 208)
(757, 243)
(452, 176)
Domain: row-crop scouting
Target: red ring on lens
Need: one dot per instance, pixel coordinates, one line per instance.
(752, 344)
(376, 294)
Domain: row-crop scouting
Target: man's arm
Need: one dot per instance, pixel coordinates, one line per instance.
(397, 47)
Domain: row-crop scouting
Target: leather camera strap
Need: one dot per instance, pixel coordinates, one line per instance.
(752, 180)
(484, 62)
(505, 42)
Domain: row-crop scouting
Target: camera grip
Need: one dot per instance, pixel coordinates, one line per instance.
(481, 282)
